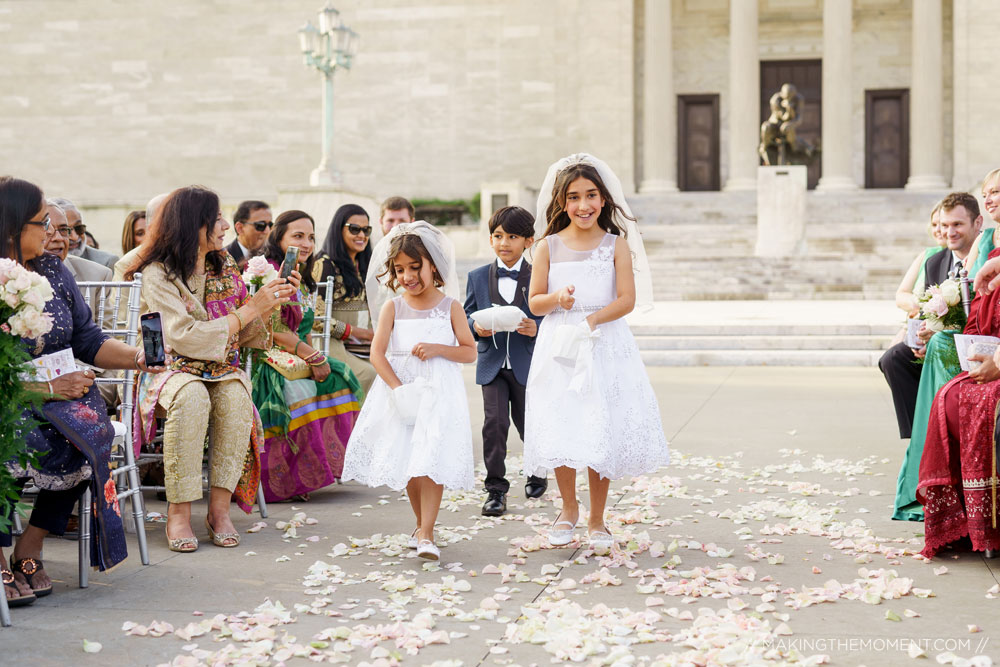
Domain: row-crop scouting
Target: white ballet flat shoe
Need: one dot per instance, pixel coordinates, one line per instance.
(560, 537)
(427, 549)
(413, 541)
(601, 542)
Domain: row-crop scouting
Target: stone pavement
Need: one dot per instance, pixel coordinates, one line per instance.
(777, 498)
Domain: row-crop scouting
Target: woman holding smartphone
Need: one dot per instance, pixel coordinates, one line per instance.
(207, 315)
(307, 420)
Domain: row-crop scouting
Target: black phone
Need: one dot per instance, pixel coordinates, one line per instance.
(152, 339)
(291, 257)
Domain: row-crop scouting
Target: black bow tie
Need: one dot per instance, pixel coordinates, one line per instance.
(507, 273)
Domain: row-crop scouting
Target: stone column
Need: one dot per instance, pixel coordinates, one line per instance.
(926, 107)
(744, 95)
(837, 97)
(659, 108)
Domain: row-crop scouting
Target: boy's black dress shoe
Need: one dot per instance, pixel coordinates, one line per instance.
(535, 486)
(496, 504)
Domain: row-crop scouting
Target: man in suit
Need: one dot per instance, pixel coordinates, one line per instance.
(504, 358)
(77, 238)
(252, 222)
(960, 224)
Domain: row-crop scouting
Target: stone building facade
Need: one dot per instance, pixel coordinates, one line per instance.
(110, 102)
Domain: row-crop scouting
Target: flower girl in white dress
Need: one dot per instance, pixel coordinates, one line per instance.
(588, 401)
(413, 430)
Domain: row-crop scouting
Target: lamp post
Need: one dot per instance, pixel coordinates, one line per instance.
(326, 48)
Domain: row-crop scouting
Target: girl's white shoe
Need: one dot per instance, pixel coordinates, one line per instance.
(413, 541)
(427, 549)
(601, 542)
(560, 537)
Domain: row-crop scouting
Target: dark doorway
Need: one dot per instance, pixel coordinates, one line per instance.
(887, 138)
(698, 142)
(807, 77)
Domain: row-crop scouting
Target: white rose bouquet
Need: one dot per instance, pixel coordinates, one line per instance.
(23, 295)
(259, 272)
(941, 307)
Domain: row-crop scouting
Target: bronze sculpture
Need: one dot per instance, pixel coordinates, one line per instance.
(779, 142)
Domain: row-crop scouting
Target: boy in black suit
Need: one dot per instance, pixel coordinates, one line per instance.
(504, 358)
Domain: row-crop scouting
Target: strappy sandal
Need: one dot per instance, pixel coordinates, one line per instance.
(8, 582)
(184, 545)
(220, 539)
(29, 567)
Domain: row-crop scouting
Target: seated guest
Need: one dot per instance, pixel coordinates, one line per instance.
(345, 256)
(57, 243)
(82, 270)
(252, 221)
(134, 231)
(73, 436)
(394, 211)
(130, 258)
(91, 241)
(957, 481)
(960, 223)
(939, 366)
(906, 298)
(207, 315)
(307, 421)
(77, 236)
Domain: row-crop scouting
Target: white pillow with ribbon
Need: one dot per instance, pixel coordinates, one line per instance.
(498, 318)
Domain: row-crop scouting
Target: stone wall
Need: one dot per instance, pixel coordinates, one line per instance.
(977, 98)
(114, 101)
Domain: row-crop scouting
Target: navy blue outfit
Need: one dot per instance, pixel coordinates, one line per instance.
(503, 388)
(72, 434)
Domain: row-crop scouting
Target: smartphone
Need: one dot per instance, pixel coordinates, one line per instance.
(152, 339)
(291, 257)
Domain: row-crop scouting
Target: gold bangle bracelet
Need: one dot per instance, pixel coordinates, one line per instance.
(239, 319)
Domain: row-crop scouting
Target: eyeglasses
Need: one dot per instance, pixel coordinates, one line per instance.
(43, 223)
(80, 229)
(358, 229)
(261, 226)
(63, 231)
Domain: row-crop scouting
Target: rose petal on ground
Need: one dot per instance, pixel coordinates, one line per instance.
(91, 647)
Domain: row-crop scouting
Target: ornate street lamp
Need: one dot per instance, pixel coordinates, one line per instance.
(326, 48)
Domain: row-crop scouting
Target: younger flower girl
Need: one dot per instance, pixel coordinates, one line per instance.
(414, 430)
(588, 400)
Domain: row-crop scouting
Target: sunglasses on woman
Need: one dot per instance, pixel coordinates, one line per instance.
(358, 229)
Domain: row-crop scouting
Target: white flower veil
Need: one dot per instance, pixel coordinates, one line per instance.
(640, 264)
(442, 253)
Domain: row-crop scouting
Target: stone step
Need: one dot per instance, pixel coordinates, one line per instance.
(760, 357)
(764, 342)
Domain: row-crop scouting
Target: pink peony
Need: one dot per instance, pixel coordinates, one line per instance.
(258, 267)
(937, 305)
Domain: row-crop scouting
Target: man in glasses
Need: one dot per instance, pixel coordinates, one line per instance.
(253, 223)
(77, 236)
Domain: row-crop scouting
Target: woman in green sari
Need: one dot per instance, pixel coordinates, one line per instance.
(941, 365)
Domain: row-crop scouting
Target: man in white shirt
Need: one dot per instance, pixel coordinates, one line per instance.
(252, 222)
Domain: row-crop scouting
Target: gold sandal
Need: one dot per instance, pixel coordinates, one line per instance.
(184, 545)
(219, 539)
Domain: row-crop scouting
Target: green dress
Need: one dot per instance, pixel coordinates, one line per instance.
(940, 366)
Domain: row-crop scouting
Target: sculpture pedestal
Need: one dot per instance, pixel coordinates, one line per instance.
(781, 211)
(322, 202)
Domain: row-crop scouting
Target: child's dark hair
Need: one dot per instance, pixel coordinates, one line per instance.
(514, 220)
(556, 216)
(411, 246)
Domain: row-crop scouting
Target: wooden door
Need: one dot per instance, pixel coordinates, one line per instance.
(887, 138)
(698, 142)
(807, 77)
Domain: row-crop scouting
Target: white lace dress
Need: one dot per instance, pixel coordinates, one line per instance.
(383, 449)
(611, 425)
